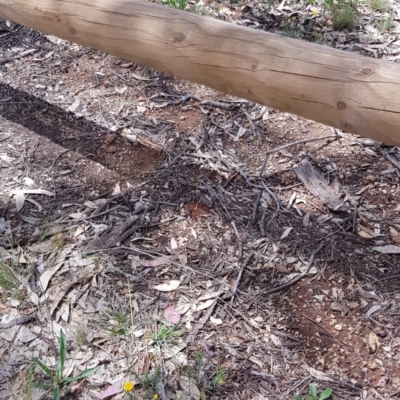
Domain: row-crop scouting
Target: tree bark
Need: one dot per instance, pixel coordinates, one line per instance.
(347, 91)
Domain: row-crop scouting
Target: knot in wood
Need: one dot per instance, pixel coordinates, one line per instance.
(179, 37)
(341, 105)
(367, 71)
(72, 31)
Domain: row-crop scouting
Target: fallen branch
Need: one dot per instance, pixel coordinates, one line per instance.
(268, 153)
(239, 277)
(299, 277)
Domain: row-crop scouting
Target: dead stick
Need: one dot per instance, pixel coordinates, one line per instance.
(253, 128)
(299, 277)
(326, 330)
(240, 244)
(24, 54)
(268, 153)
(255, 208)
(242, 268)
(192, 335)
(390, 159)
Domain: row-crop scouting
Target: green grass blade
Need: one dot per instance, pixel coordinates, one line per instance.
(61, 360)
(313, 391)
(43, 367)
(82, 375)
(42, 386)
(56, 393)
(326, 394)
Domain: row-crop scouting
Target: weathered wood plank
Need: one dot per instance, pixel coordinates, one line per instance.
(344, 90)
(318, 186)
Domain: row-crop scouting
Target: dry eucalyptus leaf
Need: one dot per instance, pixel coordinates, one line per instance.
(117, 190)
(388, 249)
(365, 232)
(373, 310)
(47, 275)
(318, 374)
(205, 305)
(162, 260)
(168, 286)
(19, 201)
(216, 321)
(208, 296)
(174, 245)
(286, 233)
(189, 387)
(33, 191)
(73, 107)
(172, 315)
(115, 388)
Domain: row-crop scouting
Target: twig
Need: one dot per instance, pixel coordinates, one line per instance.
(255, 208)
(262, 224)
(376, 281)
(55, 160)
(24, 54)
(239, 277)
(390, 159)
(18, 321)
(299, 277)
(278, 205)
(329, 333)
(240, 244)
(200, 325)
(253, 128)
(268, 153)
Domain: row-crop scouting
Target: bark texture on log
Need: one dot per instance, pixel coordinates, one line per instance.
(353, 93)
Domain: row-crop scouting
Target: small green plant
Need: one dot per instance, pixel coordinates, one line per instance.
(326, 394)
(9, 281)
(268, 5)
(384, 25)
(149, 382)
(343, 13)
(289, 29)
(178, 4)
(164, 334)
(380, 5)
(220, 377)
(119, 320)
(55, 379)
(81, 336)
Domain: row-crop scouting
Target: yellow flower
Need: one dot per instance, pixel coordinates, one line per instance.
(128, 386)
(221, 382)
(314, 12)
(155, 397)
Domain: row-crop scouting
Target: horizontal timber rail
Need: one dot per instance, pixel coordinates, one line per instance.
(347, 91)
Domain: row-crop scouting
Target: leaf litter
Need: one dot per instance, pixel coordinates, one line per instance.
(208, 262)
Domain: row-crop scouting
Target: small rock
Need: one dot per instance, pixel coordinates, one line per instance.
(336, 306)
(338, 327)
(109, 138)
(370, 178)
(373, 366)
(111, 149)
(353, 304)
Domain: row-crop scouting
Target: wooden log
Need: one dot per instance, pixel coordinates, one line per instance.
(353, 93)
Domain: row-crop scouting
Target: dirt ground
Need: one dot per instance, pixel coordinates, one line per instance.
(164, 228)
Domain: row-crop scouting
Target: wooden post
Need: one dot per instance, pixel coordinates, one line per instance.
(353, 93)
